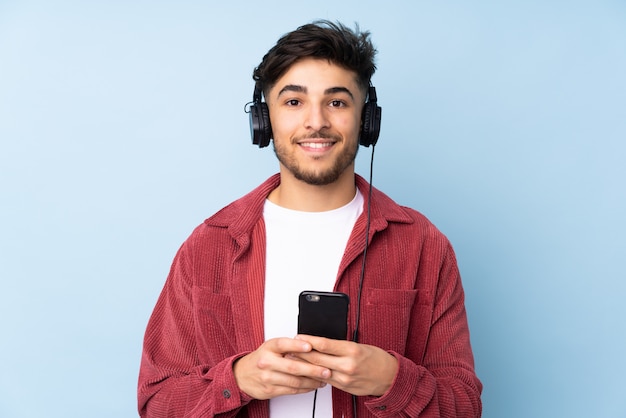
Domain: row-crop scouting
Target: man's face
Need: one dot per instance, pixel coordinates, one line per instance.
(315, 112)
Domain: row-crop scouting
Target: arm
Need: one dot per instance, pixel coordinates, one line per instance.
(443, 382)
(173, 382)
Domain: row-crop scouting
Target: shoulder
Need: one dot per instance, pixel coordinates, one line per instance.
(405, 224)
(246, 208)
(385, 207)
(234, 221)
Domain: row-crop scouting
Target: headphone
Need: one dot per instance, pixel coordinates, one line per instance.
(261, 128)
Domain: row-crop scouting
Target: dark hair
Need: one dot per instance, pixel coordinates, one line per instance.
(322, 39)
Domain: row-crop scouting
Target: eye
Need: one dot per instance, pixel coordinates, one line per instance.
(337, 103)
(292, 102)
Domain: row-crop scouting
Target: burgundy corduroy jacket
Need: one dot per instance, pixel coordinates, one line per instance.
(210, 313)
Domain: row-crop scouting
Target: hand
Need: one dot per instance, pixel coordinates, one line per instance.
(358, 369)
(274, 370)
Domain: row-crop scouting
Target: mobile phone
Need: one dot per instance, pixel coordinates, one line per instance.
(323, 314)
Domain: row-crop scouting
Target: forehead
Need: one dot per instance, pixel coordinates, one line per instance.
(317, 75)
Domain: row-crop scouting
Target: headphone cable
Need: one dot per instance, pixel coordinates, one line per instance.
(355, 335)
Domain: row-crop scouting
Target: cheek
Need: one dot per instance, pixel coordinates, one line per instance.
(350, 126)
(281, 123)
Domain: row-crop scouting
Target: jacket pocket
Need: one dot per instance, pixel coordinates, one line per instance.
(392, 319)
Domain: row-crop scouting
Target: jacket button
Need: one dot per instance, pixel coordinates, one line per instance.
(226, 393)
(382, 407)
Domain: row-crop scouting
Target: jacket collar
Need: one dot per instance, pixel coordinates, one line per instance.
(241, 215)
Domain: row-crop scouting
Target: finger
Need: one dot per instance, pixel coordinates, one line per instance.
(278, 384)
(288, 345)
(328, 346)
(296, 384)
(281, 355)
(265, 374)
(293, 365)
(325, 361)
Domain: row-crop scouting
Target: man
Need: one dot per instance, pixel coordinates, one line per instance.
(221, 340)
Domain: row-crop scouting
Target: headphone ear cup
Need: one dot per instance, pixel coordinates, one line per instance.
(266, 126)
(371, 124)
(260, 126)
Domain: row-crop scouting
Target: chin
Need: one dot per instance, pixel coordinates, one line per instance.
(319, 178)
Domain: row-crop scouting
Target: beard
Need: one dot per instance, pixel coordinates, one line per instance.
(317, 177)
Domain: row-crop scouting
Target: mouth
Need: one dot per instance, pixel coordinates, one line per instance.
(316, 145)
(317, 142)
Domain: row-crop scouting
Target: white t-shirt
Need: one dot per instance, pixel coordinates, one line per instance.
(304, 250)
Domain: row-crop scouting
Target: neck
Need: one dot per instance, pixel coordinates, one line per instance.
(297, 195)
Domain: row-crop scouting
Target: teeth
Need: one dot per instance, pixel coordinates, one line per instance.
(316, 144)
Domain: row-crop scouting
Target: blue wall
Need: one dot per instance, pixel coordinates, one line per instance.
(122, 127)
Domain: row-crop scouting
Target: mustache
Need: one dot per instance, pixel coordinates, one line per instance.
(317, 135)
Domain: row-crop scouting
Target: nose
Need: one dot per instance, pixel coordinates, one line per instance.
(317, 118)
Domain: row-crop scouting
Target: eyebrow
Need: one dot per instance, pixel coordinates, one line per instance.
(301, 89)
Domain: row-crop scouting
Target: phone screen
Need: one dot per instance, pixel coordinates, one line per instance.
(323, 314)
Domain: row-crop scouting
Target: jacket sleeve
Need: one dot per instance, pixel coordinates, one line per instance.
(172, 382)
(443, 382)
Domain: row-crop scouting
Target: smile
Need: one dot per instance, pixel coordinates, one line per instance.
(318, 145)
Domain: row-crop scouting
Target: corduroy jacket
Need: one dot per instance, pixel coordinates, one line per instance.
(210, 313)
